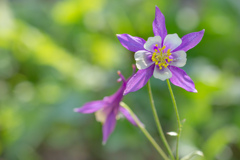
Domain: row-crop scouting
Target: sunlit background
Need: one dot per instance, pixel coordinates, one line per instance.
(56, 55)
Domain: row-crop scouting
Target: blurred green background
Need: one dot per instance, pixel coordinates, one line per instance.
(56, 55)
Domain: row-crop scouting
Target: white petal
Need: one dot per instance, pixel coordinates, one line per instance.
(172, 41)
(151, 42)
(179, 59)
(143, 59)
(100, 116)
(162, 74)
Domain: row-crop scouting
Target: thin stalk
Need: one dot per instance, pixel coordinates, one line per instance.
(178, 117)
(145, 132)
(162, 136)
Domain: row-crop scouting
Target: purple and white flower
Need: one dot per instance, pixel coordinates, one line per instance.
(108, 110)
(160, 56)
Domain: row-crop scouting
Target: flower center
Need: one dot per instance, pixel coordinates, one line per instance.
(160, 57)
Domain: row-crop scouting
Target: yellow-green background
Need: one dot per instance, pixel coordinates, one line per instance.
(56, 55)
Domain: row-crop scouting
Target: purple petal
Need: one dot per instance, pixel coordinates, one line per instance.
(181, 79)
(109, 126)
(139, 79)
(133, 44)
(190, 40)
(90, 107)
(128, 116)
(159, 27)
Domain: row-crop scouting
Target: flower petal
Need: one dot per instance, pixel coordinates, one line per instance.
(101, 115)
(90, 107)
(172, 41)
(159, 27)
(190, 40)
(179, 59)
(109, 126)
(143, 59)
(181, 79)
(128, 116)
(151, 42)
(133, 44)
(162, 74)
(139, 79)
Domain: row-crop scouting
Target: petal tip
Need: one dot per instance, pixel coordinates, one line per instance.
(103, 143)
(75, 110)
(202, 31)
(125, 93)
(195, 91)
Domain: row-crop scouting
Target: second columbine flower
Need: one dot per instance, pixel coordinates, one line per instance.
(108, 110)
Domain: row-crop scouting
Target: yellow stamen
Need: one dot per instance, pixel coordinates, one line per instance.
(163, 47)
(160, 57)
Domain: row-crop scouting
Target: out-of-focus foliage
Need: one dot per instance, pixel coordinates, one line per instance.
(55, 55)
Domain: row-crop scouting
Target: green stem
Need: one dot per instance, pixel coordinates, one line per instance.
(178, 117)
(162, 136)
(145, 132)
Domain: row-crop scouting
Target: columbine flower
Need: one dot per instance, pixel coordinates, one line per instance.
(107, 110)
(160, 55)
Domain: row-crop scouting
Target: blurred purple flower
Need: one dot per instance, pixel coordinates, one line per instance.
(108, 110)
(160, 55)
